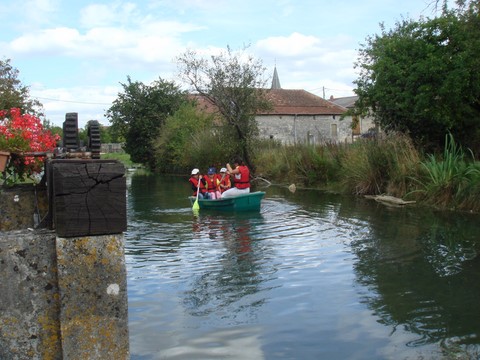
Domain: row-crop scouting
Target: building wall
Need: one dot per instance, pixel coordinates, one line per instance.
(112, 148)
(300, 129)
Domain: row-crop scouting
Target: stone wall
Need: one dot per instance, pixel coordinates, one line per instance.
(22, 206)
(29, 296)
(301, 129)
(62, 298)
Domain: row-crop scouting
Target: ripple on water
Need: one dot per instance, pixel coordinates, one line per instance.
(293, 281)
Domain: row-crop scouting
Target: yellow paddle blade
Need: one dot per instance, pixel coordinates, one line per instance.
(195, 205)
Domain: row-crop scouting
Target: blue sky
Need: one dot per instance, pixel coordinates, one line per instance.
(75, 54)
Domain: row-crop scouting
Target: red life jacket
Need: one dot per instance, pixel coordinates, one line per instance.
(242, 179)
(225, 182)
(211, 183)
(194, 183)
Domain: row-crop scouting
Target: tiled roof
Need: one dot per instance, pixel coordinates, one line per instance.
(299, 102)
(287, 102)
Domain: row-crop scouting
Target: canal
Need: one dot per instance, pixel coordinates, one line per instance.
(312, 276)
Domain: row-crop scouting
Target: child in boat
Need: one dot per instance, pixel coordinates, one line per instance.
(241, 178)
(224, 182)
(195, 180)
(212, 184)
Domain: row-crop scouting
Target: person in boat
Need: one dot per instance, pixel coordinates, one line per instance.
(195, 179)
(212, 183)
(224, 182)
(241, 178)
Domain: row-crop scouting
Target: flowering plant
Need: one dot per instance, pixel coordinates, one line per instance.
(20, 134)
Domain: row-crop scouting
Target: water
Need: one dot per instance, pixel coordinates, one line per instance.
(312, 276)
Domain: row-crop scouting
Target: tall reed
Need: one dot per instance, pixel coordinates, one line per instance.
(451, 180)
(303, 164)
(380, 166)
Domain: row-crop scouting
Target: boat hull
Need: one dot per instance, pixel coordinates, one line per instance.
(244, 202)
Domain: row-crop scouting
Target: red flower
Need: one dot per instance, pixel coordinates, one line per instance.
(22, 134)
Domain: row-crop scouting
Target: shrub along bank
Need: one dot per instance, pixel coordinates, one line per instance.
(391, 166)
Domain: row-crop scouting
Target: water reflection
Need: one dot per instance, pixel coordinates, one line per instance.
(313, 275)
(235, 282)
(422, 270)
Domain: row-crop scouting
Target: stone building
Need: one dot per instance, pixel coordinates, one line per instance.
(300, 117)
(363, 126)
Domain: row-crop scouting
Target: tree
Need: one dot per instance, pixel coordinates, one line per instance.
(13, 94)
(423, 78)
(233, 83)
(176, 144)
(138, 114)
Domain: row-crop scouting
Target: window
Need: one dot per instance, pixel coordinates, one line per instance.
(333, 130)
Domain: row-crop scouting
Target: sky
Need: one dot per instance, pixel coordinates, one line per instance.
(74, 55)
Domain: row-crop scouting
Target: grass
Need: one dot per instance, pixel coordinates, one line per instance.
(124, 158)
(391, 166)
(373, 167)
(451, 180)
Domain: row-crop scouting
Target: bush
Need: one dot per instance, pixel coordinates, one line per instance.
(450, 180)
(380, 166)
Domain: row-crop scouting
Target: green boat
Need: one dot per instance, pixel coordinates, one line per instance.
(244, 202)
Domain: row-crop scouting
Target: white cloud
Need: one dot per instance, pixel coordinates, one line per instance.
(99, 15)
(89, 102)
(51, 41)
(37, 12)
(294, 45)
(151, 42)
(312, 63)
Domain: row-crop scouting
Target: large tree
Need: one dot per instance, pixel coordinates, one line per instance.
(423, 78)
(234, 83)
(138, 114)
(14, 94)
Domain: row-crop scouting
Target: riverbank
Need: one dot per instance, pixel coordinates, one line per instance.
(387, 166)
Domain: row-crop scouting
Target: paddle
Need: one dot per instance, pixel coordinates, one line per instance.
(195, 206)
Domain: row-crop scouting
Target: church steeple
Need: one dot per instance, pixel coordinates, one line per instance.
(275, 80)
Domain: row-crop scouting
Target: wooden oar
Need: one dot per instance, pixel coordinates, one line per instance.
(195, 206)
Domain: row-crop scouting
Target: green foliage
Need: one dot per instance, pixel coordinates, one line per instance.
(390, 165)
(233, 83)
(423, 78)
(210, 149)
(304, 164)
(14, 94)
(174, 147)
(378, 167)
(138, 115)
(124, 158)
(451, 180)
